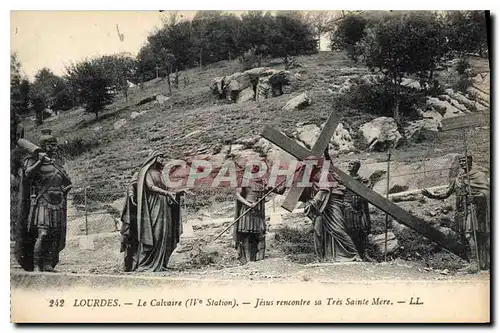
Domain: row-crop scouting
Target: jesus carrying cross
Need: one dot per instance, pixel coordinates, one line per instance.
(325, 207)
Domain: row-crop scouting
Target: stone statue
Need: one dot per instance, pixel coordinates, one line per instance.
(151, 224)
(41, 227)
(472, 212)
(356, 212)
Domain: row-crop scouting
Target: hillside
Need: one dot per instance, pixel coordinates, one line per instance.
(194, 121)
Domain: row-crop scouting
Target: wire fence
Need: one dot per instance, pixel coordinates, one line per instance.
(93, 211)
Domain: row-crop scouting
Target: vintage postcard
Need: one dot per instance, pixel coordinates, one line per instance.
(250, 166)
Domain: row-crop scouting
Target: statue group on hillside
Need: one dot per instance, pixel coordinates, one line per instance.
(151, 216)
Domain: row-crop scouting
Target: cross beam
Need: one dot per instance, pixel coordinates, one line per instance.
(371, 196)
(301, 153)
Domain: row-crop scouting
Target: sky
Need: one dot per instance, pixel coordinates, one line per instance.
(54, 39)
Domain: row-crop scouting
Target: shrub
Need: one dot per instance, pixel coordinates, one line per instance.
(462, 66)
(295, 241)
(378, 99)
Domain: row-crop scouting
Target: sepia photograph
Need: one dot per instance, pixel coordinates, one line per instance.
(327, 166)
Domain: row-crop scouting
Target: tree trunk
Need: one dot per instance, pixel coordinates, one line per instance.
(168, 80)
(96, 115)
(319, 42)
(397, 102)
(260, 60)
(176, 78)
(286, 62)
(201, 58)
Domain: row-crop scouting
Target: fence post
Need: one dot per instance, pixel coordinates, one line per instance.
(387, 196)
(86, 213)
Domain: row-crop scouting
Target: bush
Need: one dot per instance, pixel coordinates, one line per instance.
(462, 66)
(378, 99)
(295, 241)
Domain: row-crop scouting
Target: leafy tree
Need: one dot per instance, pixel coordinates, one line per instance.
(167, 65)
(119, 69)
(291, 36)
(19, 87)
(146, 64)
(467, 31)
(177, 37)
(402, 45)
(52, 89)
(91, 84)
(256, 28)
(349, 32)
(201, 32)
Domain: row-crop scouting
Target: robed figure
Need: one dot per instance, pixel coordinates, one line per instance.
(356, 211)
(151, 225)
(42, 221)
(324, 205)
(472, 212)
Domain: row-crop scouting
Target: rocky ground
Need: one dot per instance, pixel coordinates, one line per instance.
(289, 254)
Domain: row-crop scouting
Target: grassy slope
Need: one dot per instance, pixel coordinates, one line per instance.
(108, 166)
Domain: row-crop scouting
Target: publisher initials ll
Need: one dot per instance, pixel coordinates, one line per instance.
(415, 301)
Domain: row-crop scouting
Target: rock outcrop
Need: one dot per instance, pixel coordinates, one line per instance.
(298, 102)
(342, 139)
(253, 84)
(381, 133)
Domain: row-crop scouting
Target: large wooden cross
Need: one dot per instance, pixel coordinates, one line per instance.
(399, 214)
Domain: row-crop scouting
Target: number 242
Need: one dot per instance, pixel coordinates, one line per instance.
(56, 303)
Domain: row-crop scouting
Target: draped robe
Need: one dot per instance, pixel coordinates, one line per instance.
(325, 207)
(151, 225)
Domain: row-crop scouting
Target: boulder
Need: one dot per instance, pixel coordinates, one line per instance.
(482, 82)
(264, 88)
(342, 139)
(415, 131)
(298, 102)
(271, 151)
(146, 100)
(411, 83)
(256, 72)
(246, 95)
(217, 85)
(479, 95)
(470, 105)
(444, 108)
(307, 134)
(119, 124)
(271, 83)
(381, 133)
(237, 82)
(161, 99)
(378, 242)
